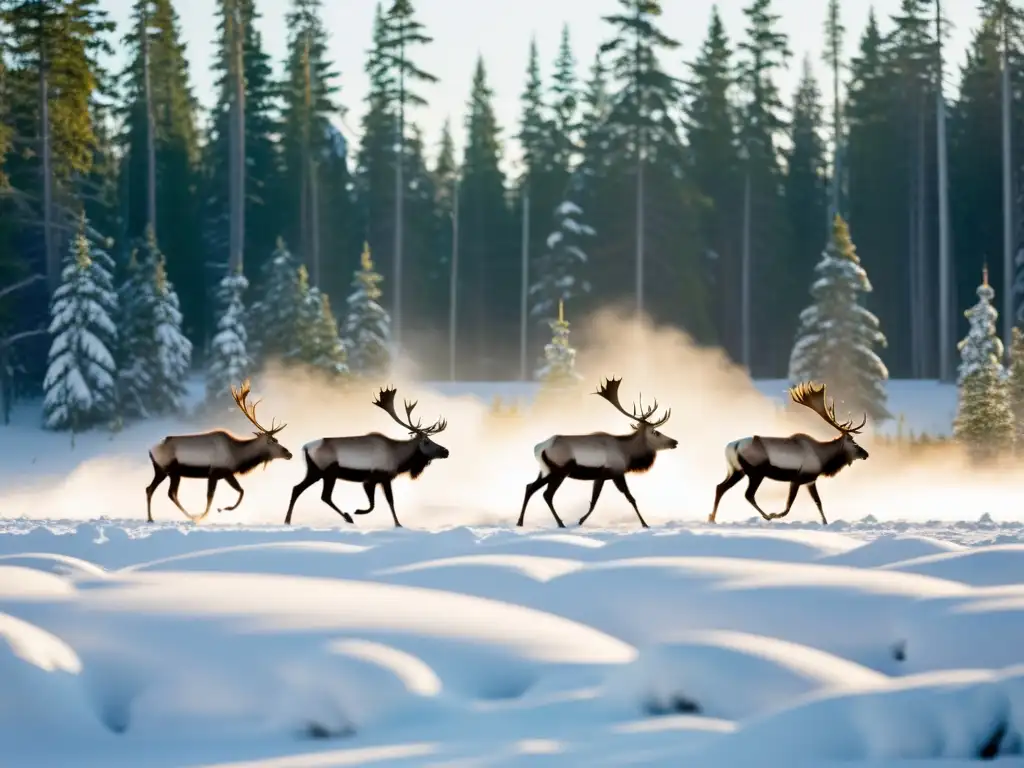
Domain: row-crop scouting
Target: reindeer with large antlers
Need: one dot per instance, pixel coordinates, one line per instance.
(216, 456)
(373, 459)
(798, 459)
(600, 456)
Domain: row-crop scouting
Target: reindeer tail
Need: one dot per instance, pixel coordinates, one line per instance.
(732, 454)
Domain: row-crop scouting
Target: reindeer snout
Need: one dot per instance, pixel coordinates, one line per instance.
(444, 453)
(674, 444)
(287, 454)
(863, 453)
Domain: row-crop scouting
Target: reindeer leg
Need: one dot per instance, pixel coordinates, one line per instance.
(554, 482)
(233, 482)
(532, 488)
(312, 476)
(620, 483)
(598, 485)
(371, 492)
(386, 486)
(325, 497)
(734, 477)
(158, 477)
(211, 488)
(793, 488)
(752, 486)
(172, 494)
(813, 490)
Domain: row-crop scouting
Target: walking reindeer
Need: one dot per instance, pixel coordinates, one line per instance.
(600, 456)
(798, 459)
(372, 459)
(215, 455)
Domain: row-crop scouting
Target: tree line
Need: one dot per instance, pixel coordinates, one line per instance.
(618, 157)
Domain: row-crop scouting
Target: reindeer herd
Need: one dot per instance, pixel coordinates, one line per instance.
(375, 459)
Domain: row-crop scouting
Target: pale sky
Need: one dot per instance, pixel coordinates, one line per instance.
(501, 31)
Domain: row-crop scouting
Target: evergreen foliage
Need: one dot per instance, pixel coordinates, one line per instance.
(984, 419)
(154, 355)
(559, 368)
(367, 331)
(275, 316)
(173, 349)
(562, 268)
(79, 387)
(1015, 388)
(229, 354)
(837, 336)
(320, 345)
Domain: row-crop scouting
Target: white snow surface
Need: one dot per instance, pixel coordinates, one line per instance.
(881, 644)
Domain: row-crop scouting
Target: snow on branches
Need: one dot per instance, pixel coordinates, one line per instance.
(80, 384)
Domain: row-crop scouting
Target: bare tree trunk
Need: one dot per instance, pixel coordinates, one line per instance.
(51, 254)
(923, 326)
(396, 315)
(150, 127)
(237, 154)
(915, 347)
(945, 258)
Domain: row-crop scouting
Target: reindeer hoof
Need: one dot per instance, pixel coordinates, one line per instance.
(349, 520)
(711, 518)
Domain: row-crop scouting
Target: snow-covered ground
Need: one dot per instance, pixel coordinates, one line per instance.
(883, 644)
(891, 638)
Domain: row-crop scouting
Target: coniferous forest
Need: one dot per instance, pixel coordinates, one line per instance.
(142, 237)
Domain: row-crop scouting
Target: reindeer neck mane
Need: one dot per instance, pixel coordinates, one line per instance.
(411, 458)
(835, 458)
(641, 458)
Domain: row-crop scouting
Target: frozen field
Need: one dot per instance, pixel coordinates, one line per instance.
(889, 644)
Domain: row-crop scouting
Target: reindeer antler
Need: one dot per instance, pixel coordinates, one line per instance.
(809, 396)
(386, 402)
(241, 397)
(610, 392)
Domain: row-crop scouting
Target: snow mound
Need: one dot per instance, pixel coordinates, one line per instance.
(886, 550)
(963, 714)
(993, 565)
(169, 645)
(730, 675)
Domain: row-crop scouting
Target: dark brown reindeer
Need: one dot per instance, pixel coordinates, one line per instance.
(215, 455)
(798, 459)
(600, 456)
(372, 459)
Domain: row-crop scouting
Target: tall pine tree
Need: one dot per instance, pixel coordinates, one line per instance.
(837, 337)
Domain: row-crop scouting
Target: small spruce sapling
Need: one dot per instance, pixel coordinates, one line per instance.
(367, 331)
(984, 420)
(229, 356)
(559, 368)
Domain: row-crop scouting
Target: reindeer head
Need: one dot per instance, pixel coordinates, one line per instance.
(427, 447)
(647, 429)
(809, 396)
(265, 438)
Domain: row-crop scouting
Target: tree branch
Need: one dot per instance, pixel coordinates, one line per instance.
(16, 337)
(19, 285)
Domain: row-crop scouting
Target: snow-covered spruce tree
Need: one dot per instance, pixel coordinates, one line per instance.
(1015, 388)
(153, 355)
(367, 331)
(836, 339)
(559, 368)
(984, 420)
(173, 349)
(561, 267)
(136, 351)
(80, 381)
(274, 315)
(327, 349)
(229, 355)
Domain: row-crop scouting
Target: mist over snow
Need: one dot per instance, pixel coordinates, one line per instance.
(892, 637)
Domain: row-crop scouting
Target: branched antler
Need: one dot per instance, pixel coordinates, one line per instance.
(610, 392)
(241, 397)
(809, 396)
(386, 402)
